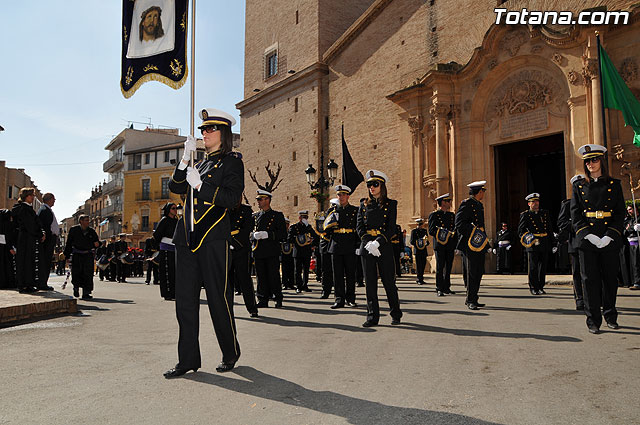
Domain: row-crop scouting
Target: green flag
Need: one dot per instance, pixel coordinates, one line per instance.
(616, 95)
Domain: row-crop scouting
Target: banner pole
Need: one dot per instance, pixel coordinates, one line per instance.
(604, 120)
(193, 96)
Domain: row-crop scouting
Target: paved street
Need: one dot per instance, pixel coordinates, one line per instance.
(520, 360)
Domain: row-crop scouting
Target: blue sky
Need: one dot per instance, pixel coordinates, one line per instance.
(60, 99)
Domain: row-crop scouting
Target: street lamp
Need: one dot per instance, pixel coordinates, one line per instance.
(319, 186)
(311, 175)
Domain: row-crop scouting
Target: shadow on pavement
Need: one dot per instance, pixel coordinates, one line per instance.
(354, 410)
(474, 332)
(110, 301)
(304, 324)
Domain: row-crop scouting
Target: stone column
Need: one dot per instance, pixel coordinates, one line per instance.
(590, 72)
(439, 114)
(415, 124)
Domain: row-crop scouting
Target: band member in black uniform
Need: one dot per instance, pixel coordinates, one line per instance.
(202, 251)
(472, 240)
(397, 243)
(502, 249)
(286, 259)
(323, 257)
(625, 275)
(376, 226)
(269, 231)
(51, 230)
(420, 240)
(567, 235)
(631, 234)
(150, 248)
(30, 234)
(7, 250)
(101, 253)
(241, 227)
(121, 247)
(82, 242)
(597, 213)
(442, 227)
(163, 238)
(340, 225)
(302, 236)
(112, 249)
(536, 235)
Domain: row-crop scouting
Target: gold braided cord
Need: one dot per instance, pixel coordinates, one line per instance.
(155, 77)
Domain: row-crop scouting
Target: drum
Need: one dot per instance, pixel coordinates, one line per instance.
(155, 258)
(103, 262)
(126, 258)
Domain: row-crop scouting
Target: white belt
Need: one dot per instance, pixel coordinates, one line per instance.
(633, 239)
(504, 243)
(3, 240)
(166, 240)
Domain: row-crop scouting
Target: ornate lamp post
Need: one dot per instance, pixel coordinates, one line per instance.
(319, 187)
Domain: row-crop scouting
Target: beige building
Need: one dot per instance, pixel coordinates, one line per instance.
(11, 181)
(434, 94)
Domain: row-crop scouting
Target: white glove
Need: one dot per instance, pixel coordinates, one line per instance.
(637, 227)
(508, 247)
(305, 222)
(231, 246)
(189, 146)
(606, 240)
(260, 235)
(193, 178)
(596, 241)
(495, 251)
(372, 248)
(358, 252)
(554, 249)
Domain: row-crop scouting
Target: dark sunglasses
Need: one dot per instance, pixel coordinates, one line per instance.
(209, 129)
(173, 208)
(374, 183)
(595, 159)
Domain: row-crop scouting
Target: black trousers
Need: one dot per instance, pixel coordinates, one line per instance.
(7, 269)
(288, 279)
(327, 273)
(577, 280)
(599, 271)
(421, 263)
(624, 275)
(268, 274)
(167, 274)
(122, 270)
(82, 272)
(537, 268)
(359, 270)
(385, 265)
(344, 277)
(397, 249)
(504, 260)
(152, 269)
(46, 257)
(302, 271)
(241, 278)
(634, 263)
(103, 274)
(113, 270)
(444, 262)
(209, 265)
(26, 261)
(473, 269)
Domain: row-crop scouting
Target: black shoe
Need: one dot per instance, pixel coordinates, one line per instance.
(395, 321)
(238, 292)
(147, 282)
(480, 304)
(45, 288)
(27, 290)
(307, 289)
(579, 308)
(177, 371)
(541, 292)
(262, 305)
(254, 314)
(336, 305)
(279, 304)
(613, 325)
(533, 292)
(225, 366)
(472, 306)
(87, 297)
(449, 292)
(369, 324)
(594, 329)
(420, 282)
(439, 293)
(76, 293)
(351, 304)
(324, 295)
(298, 291)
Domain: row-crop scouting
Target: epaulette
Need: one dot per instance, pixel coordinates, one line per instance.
(235, 154)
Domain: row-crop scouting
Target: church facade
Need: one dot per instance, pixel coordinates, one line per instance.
(436, 95)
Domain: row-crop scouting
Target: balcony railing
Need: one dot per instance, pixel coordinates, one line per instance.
(112, 164)
(111, 210)
(112, 186)
(143, 196)
(162, 196)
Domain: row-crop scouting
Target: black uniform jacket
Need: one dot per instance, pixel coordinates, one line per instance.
(597, 207)
(150, 246)
(120, 248)
(540, 225)
(45, 215)
(377, 221)
(629, 232)
(446, 220)
(273, 223)
(470, 214)
(7, 228)
(343, 237)
(242, 223)
(416, 234)
(222, 185)
(80, 240)
(100, 251)
(166, 228)
(310, 238)
(26, 220)
(566, 233)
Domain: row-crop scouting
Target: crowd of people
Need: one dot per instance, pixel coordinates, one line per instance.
(218, 243)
